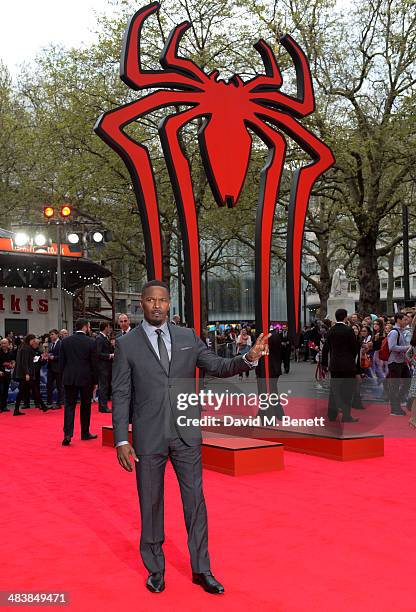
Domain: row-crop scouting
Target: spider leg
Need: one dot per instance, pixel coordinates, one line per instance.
(180, 175)
(304, 84)
(264, 89)
(273, 78)
(303, 181)
(109, 128)
(131, 71)
(269, 191)
(169, 58)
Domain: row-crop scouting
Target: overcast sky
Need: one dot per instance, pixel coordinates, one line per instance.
(28, 25)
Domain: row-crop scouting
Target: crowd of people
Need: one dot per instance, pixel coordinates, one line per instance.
(383, 357)
(382, 352)
(238, 338)
(24, 359)
(72, 366)
(21, 362)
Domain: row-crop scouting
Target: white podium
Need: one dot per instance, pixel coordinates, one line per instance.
(343, 301)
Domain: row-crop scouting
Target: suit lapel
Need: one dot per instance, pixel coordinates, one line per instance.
(152, 350)
(172, 331)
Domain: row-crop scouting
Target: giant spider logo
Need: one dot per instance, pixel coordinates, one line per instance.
(229, 109)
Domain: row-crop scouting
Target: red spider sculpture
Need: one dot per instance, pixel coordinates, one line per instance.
(230, 109)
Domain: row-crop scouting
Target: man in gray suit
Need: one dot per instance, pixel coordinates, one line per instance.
(153, 364)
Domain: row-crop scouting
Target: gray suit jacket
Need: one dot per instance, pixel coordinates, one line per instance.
(139, 375)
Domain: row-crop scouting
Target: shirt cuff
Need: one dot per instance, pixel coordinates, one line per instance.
(122, 443)
(251, 364)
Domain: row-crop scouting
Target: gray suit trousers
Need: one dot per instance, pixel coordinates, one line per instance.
(150, 472)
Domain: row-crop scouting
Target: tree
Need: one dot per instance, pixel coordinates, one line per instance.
(364, 67)
(14, 121)
(362, 62)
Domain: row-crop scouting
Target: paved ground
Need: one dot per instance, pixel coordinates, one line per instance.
(300, 381)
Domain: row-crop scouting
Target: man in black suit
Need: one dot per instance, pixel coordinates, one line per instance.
(285, 348)
(105, 355)
(54, 371)
(77, 363)
(275, 371)
(7, 363)
(155, 363)
(341, 347)
(125, 328)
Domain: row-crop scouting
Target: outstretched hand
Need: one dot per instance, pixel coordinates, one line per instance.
(123, 455)
(260, 348)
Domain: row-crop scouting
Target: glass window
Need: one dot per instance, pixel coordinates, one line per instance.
(121, 305)
(94, 303)
(120, 284)
(224, 295)
(134, 307)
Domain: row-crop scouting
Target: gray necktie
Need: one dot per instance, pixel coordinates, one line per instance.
(163, 352)
(170, 430)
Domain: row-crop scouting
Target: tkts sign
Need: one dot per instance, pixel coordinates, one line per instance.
(230, 111)
(23, 304)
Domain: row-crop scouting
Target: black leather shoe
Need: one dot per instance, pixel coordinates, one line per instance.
(44, 408)
(156, 582)
(66, 441)
(208, 582)
(18, 413)
(104, 410)
(89, 437)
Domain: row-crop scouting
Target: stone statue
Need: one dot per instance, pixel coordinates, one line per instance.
(339, 286)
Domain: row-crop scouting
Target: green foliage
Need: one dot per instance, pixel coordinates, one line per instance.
(363, 62)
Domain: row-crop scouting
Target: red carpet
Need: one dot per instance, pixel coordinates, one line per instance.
(320, 535)
(375, 419)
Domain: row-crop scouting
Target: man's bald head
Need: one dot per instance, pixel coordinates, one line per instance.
(123, 322)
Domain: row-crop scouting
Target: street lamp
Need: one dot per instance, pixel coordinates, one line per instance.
(98, 237)
(21, 239)
(40, 240)
(62, 217)
(48, 212)
(73, 238)
(66, 211)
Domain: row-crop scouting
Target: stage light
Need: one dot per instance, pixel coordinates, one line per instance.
(66, 211)
(73, 238)
(21, 239)
(98, 237)
(40, 240)
(48, 212)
